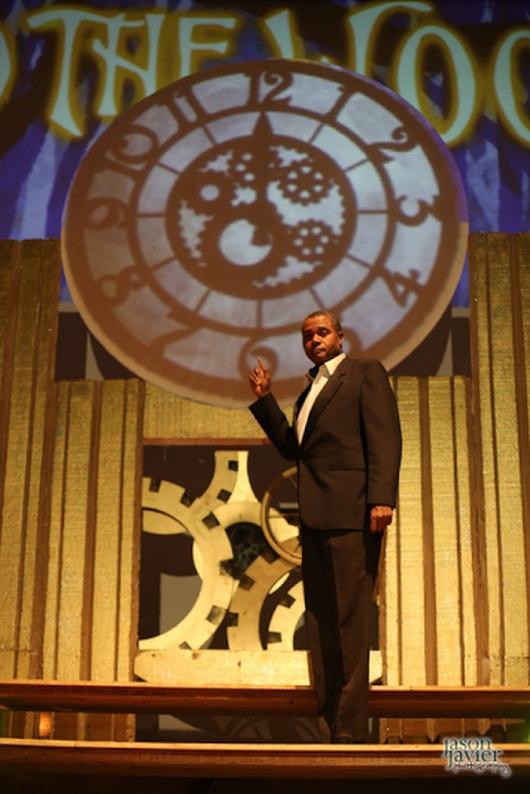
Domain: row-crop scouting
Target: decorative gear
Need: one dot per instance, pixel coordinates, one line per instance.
(303, 182)
(168, 510)
(241, 168)
(313, 241)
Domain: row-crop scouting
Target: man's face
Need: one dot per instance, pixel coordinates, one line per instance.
(320, 339)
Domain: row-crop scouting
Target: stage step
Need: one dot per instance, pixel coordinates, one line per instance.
(301, 761)
(137, 697)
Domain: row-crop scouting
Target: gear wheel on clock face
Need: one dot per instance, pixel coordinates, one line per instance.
(245, 164)
(313, 241)
(241, 168)
(303, 182)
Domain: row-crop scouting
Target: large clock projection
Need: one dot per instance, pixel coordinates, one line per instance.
(210, 218)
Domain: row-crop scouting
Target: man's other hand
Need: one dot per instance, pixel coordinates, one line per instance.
(380, 517)
(260, 379)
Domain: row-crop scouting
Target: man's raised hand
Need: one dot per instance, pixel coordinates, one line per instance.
(260, 379)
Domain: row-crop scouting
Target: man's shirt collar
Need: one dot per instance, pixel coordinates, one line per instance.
(328, 367)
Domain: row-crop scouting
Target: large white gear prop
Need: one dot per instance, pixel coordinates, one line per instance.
(259, 580)
(164, 513)
(227, 501)
(211, 217)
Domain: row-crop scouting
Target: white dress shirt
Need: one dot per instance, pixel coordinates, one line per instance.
(325, 371)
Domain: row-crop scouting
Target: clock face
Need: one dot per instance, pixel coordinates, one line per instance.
(213, 216)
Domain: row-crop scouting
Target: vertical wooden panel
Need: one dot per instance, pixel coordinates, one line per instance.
(107, 533)
(71, 526)
(520, 282)
(497, 379)
(470, 605)
(484, 411)
(13, 516)
(76, 530)
(404, 585)
(114, 608)
(129, 552)
(405, 547)
(55, 536)
(9, 277)
(447, 579)
(116, 521)
(410, 528)
(504, 376)
(452, 541)
(29, 275)
(47, 262)
(481, 462)
(426, 480)
(129, 557)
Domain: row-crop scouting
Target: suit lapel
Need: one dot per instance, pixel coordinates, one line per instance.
(327, 394)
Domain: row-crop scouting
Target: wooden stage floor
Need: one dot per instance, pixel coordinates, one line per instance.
(224, 760)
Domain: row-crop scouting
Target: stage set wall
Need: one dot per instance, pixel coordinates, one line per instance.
(454, 595)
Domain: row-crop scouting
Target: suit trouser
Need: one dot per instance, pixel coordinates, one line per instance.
(339, 568)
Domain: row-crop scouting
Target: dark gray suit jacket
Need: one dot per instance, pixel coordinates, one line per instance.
(351, 450)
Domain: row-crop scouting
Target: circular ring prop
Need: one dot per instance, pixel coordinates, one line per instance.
(281, 535)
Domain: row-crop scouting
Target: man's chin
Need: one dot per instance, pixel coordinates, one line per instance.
(318, 358)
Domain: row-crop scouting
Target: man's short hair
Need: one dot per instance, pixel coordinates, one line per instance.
(324, 313)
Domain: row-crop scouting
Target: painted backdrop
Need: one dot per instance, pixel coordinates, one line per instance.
(67, 70)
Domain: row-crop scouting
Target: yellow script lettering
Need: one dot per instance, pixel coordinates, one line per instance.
(203, 36)
(462, 91)
(510, 93)
(7, 63)
(364, 23)
(116, 68)
(67, 24)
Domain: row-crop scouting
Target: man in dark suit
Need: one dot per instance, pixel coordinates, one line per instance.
(346, 440)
